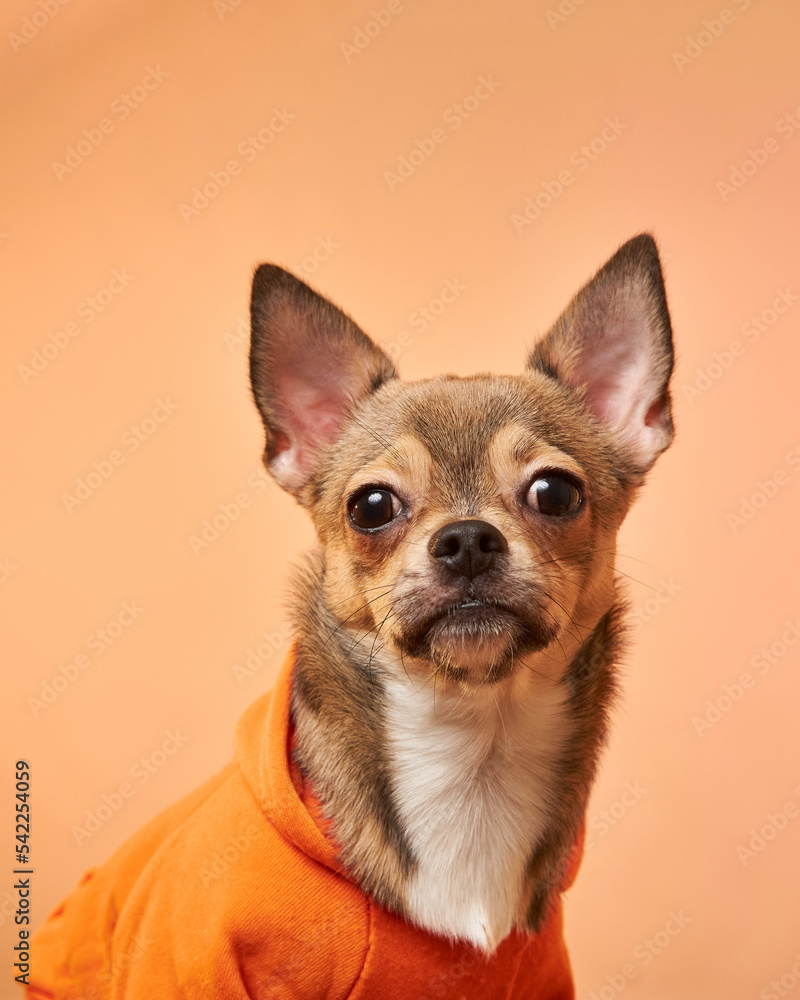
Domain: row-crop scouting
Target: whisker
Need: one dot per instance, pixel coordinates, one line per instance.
(502, 720)
(360, 638)
(405, 668)
(569, 616)
(634, 579)
(375, 639)
(463, 695)
(365, 590)
(386, 444)
(345, 620)
(539, 673)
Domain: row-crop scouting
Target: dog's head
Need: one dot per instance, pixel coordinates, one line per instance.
(468, 523)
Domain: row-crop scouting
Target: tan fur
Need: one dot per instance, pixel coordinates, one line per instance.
(455, 664)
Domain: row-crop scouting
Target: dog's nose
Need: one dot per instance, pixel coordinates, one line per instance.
(467, 547)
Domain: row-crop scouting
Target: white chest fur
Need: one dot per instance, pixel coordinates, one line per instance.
(473, 774)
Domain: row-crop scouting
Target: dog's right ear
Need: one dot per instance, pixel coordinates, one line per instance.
(309, 366)
(613, 346)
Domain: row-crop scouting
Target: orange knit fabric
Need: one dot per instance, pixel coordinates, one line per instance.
(235, 892)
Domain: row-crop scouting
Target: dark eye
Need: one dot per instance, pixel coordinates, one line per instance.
(554, 495)
(373, 507)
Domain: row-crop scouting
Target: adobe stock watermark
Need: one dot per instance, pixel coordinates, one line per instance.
(751, 332)
(709, 32)
(224, 7)
(563, 12)
(219, 862)
(130, 441)
(424, 316)
(86, 312)
(766, 490)
(756, 157)
(643, 954)
(307, 949)
(366, 34)
(141, 772)
(603, 821)
(33, 23)
(259, 654)
(7, 570)
(219, 522)
(227, 513)
(322, 250)
(454, 117)
(239, 335)
(248, 150)
(788, 983)
(768, 830)
(97, 643)
(733, 691)
(120, 962)
(122, 107)
(441, 984)
(642, 613)
(580, 159)
(8, 907)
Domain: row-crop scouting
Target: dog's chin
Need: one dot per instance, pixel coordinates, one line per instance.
(476, 643)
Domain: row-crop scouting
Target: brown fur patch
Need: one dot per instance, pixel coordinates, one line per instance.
(336, 707)
(453, 449)
(592, 687)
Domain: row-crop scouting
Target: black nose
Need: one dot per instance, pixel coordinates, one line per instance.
(467, 547)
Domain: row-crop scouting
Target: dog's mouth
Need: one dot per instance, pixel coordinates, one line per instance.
(476, 617)
(477, 640)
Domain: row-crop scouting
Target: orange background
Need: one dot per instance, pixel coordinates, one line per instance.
(708, 594)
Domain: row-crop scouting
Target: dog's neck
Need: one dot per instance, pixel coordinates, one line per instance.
(456, 808)
(474, 776)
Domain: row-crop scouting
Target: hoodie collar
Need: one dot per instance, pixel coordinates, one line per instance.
(262, 747)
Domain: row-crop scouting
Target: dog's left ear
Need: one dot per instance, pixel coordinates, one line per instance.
(613, 344)
(310, 366)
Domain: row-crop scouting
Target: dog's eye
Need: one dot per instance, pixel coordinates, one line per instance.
(554, 495)
(373, 508)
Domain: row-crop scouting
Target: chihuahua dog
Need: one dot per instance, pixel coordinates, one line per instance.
(408, 802)
(458, 627)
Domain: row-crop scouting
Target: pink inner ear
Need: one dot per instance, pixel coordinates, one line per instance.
(620, 397)
(315, 396)
(313, 412)
(615, 367)
(656, 415)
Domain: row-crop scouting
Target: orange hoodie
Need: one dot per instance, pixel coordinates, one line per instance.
(235, 892)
